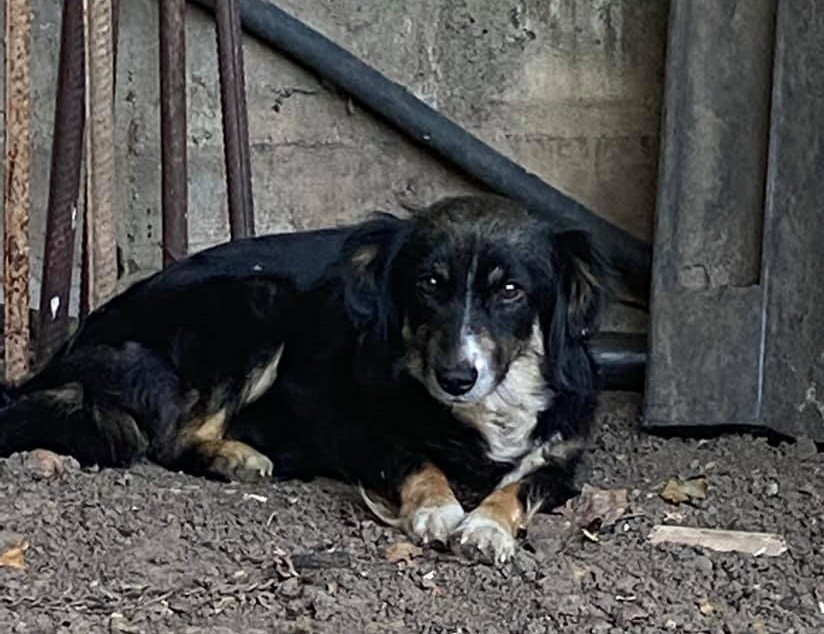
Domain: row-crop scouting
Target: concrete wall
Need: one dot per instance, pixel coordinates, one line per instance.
(569, 88)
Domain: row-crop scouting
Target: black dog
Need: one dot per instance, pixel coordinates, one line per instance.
(449, 347)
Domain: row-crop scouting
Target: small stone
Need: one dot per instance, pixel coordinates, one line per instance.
(119, 624)
(569, 605)
(428, 580)
(600, 627)
(632, 614)
(805, 448)
(705, 606)
(772, 488)
(324, 606)
(290, 588)
(703, 564)
(625, 585)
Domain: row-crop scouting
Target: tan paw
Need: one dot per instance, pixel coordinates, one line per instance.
(480, 536)
(239, 462)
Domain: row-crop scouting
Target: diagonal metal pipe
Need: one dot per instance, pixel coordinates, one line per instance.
(426, 126)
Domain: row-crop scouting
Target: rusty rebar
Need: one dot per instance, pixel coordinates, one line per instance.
(235, 123)
(101, 243)
(64, 184)
(17, 190)
(173, 129)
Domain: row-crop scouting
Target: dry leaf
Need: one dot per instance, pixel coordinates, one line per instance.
(705, 607)
(402, 551)
(594, 506)
(13, 556)
(677, 491)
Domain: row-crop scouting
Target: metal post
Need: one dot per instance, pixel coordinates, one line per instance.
(17, 187)
(64, 185)
(173, 129)
(235, 125)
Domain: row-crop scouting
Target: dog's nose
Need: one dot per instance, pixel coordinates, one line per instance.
(457, 380)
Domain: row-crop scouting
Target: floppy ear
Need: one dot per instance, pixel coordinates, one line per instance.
(368, 256)
(583, 273)
(580, 274)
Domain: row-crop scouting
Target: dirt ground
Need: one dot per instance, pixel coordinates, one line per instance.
(146, 550)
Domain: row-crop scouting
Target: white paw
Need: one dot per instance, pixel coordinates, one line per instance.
(435, 523)
(482, 537)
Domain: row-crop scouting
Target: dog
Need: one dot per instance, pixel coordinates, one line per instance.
(428, 359)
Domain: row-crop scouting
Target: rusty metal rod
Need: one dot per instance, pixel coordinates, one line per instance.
(235, 124)
(17, 190)
(173, 129)
(64, 184)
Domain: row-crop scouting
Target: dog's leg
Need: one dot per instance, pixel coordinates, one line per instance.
(201, 449)
(63, 419)
(543, 477)
(429, 509)
(103, 405)
(489, 531)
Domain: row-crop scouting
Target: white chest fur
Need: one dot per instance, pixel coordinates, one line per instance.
(508, 415)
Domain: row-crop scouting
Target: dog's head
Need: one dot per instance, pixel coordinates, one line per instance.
(469, 286)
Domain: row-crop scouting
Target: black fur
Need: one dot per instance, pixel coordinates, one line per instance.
(180, 347)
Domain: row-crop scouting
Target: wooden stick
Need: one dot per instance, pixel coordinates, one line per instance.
(767, 544)
(100, 231)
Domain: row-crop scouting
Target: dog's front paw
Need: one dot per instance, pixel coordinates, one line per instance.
(481, 536)
(429, 524)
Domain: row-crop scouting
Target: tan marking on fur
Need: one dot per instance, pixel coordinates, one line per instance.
(504, 507)
(585, 284)
(261, 378)
(363, 257)
(230, 458)
(233, 451)
(429, 511)
(235, 460)
(495, 275)
(426, 487)
(211, 427)
(441, 269)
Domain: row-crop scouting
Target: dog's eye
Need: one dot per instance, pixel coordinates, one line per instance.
(511, 292)
(428, 284)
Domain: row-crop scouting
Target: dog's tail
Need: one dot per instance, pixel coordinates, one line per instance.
(63, 420)
(381, 509)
